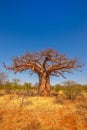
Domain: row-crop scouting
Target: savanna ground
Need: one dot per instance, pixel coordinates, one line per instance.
(18, 112)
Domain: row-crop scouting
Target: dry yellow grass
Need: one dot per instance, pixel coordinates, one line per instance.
(42, 113)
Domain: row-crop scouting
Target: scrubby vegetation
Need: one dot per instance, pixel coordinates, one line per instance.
(69, 89)
(42, 113)
(22, 109)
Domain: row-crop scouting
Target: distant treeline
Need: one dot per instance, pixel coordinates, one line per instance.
(70, 88)
(16, 85)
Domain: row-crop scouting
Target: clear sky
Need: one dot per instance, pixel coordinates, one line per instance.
(32, 25)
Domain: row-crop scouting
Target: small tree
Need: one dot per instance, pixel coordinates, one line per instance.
(45, 63)
(8, 87)
(3, 78)
(72, 89)
(16, 82)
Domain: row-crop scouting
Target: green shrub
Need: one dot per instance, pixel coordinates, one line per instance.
(72, 91)
(58, 88)
(84, 88)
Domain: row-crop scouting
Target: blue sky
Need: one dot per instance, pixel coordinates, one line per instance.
(38, 24)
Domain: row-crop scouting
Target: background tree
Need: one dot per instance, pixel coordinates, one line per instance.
(45, 63)
(72, 89)
(3, 78)
(16, 82)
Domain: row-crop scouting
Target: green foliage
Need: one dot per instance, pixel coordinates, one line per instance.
(27, 86)
(1, 87)
(16, 83)
(84, 88)
(8, 87)
(72, 90)
(58, 88)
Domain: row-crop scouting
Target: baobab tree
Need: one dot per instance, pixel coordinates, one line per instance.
(44, 63)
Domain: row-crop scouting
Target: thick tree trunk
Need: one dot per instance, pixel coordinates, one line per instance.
(44, 85)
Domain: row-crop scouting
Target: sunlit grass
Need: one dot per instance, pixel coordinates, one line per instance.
(42, 113)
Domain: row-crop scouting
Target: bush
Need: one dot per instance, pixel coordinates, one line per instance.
(1, 87)
(72, 91)
(58, 88)
(59, 99)
(84, 88)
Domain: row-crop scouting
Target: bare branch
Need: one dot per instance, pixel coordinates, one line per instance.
(49, 61)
